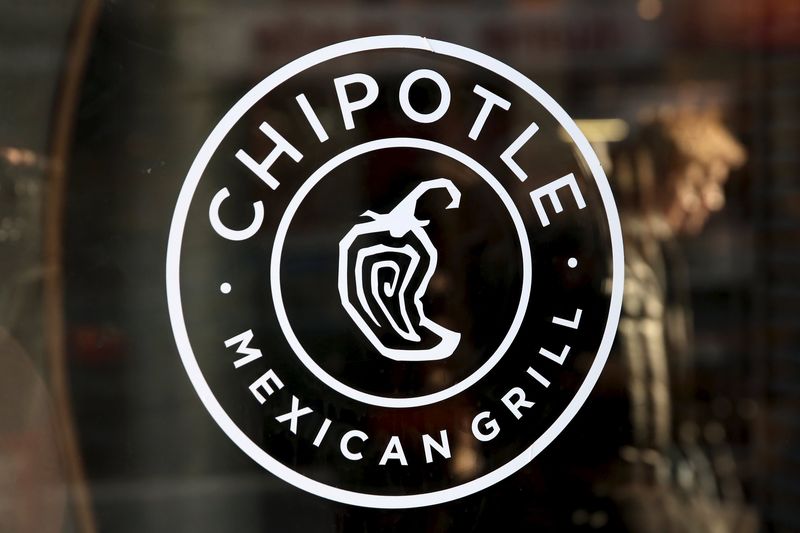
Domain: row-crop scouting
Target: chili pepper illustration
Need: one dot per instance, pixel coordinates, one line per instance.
(399, 223)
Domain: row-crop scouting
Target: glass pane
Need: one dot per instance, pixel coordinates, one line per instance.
(371, 290)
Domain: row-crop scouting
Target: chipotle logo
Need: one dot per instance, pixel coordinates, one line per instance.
(394, 272)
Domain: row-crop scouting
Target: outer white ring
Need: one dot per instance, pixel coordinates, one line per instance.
(275, 272)
(174, 290)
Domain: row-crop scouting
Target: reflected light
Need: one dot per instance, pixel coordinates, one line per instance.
(649, 9)
(600, 130)
(18, 156)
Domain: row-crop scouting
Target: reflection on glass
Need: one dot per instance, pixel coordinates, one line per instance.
(693, 426)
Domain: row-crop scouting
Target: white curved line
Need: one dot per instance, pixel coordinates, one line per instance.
(388, 286)
(389, 290)
(450, 339)
(410, 334)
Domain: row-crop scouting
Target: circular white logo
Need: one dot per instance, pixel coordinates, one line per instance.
(394, 272)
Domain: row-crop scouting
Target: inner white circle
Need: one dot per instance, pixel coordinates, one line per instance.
(277, 250)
